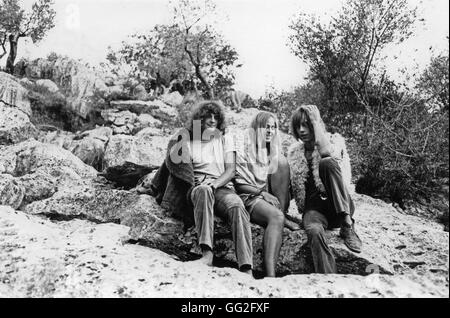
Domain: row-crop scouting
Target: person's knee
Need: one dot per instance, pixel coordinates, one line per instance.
(235, 208)
(204, 189)
(314, 231)
(328, 164)
(277, 218)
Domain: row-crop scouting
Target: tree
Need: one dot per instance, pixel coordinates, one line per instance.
(342, 53)
(434, 82)
(159, 57)
(15, 23)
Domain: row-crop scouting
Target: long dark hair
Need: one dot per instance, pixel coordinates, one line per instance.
(301, 116)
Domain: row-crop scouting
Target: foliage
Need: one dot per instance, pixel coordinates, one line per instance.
(195, 57)
(15, 23)
(434, 82)
(342, 54)
(404, 146)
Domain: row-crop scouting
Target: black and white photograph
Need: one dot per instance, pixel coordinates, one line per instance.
(226, 154)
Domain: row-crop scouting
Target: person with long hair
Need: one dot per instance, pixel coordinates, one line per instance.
(321, 178)
(262, 181)
(194, 182)
(213, 157)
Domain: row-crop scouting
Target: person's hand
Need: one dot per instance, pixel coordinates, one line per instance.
(313, 113)
(270, 199)
(211, 184)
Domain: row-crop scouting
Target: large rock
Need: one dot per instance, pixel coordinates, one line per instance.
(77, 81)
(173, 99)
(11, 191)
(90, 150)
(61, 138)
(30, 156)
(393, 243)
(89, 145)
(118, 118)
(48, 85)
(13, 94)
(79, 258)
(15, 111)
(38, 185)
(143, 149)
(146, 120)
(156, 108)
(15, 125)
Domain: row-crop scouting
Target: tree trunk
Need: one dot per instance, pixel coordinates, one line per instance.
(13, 41)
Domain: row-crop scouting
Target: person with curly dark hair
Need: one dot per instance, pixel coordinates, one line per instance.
(213, 157)
(194, 182)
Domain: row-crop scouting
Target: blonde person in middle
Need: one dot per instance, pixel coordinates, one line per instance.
(262, 181)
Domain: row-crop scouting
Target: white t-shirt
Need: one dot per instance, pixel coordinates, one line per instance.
(208, 157)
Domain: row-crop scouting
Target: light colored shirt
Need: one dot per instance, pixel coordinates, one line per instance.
(208, 157)
(248, 170)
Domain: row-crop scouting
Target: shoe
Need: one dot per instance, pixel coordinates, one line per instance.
(351, 239)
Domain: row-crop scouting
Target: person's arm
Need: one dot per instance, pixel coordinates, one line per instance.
(322, 142)
(230, 171)
(248, 189)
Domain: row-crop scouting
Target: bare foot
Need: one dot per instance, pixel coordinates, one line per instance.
(291, 225)
(207, 258)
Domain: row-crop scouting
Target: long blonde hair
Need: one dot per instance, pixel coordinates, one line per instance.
(256, 145)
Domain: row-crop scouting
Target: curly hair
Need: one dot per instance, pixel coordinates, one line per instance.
(204, 110)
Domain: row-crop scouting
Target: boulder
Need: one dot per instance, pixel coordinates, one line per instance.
(11, 191)
(90, 150)
(77, 81)
(100, 133)
(78, 258)
(89, 145)
(146, 120)
(13, 94)
(25, 82)
(60, 138)
(173, 99)
(38, 186)
(140, 93)
(118, 118)
(15, 125)
(393, 243)
(156, 108)
(48, 85)
(149, 132)
(142, 150)
(30, 156)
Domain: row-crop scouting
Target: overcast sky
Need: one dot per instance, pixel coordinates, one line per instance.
(258, 29)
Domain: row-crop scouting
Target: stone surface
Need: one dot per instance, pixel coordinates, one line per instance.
(82, 259)
(147, 120)
(15, 125)
(77, 81)
(29, 156)
(173, 99)
(143, 150)
(61, 138)
(90, 150)
(156, 108)
(118, 118)
(48, 85)
(11, 191)
(391, 243)
(38, 186)
(13, 94)
(139, 92)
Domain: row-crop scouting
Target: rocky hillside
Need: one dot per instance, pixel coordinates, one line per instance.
(65, 231)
